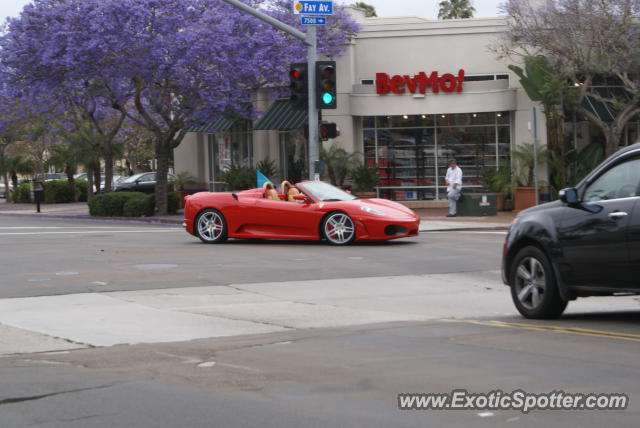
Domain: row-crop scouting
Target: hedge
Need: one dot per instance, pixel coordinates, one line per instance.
(81, 190)
(22, 194)
(129, 204)
(57, 192)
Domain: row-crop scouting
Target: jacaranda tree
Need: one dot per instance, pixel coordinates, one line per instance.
(591, 45)
(165, 65)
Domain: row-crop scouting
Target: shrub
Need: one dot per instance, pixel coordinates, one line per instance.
(173, 203)
(111, 204)
(81, 190)
(22, 194)
(138, 206)
(365, 179)
(268, 168)
(239, 178)
(129, 204)
(57, 192)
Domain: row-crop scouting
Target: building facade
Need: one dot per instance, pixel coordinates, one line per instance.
(412, 94)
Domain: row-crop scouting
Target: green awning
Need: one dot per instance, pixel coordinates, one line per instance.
(221, 124)
(603, 110)
(283, 115)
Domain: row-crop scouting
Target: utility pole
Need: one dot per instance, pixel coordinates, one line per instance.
(534, 117)
(314, 145)
(310, 40)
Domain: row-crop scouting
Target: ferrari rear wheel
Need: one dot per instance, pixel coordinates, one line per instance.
(338, 229)
(211, 227)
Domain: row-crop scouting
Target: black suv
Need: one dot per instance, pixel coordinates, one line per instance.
(585, 244)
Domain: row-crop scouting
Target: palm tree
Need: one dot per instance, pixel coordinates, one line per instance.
(369, 10)
(456, 9)
(544, 85)
(65, 157)
(17, 165)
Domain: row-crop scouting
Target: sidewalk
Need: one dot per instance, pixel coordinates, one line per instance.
(77, 211)
(433, 219)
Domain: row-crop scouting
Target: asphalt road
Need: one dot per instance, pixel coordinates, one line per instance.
(44, 257)
(327, 361)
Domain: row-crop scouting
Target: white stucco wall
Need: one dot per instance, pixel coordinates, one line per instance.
(404, 46)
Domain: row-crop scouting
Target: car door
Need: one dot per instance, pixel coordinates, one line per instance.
(593, 234)
(147, 183)
(282, 219)
(633, 241)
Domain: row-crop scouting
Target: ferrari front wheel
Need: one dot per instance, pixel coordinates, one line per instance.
(338, 229)
(211, 227)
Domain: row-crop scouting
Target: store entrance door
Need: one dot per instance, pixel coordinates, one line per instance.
(293, 156)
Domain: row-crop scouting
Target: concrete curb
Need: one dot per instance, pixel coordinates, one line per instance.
(467, 229)
(133, 220)
(178, 222)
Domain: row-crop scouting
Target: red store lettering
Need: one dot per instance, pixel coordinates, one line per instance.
(419, 82)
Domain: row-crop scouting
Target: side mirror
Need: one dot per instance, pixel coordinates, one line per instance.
(300, 197)
(569, 196)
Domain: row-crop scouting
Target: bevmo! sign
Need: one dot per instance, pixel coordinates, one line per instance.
(419, 83)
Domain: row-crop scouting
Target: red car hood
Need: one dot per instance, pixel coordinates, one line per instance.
(389, 208)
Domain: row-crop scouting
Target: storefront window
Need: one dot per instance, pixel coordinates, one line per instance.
(412, 152)
(293, 156)
(233, 147)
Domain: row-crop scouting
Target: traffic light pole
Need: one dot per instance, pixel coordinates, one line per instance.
(314, 145)
(309, 39)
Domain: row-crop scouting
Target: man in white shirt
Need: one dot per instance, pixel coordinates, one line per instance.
(453, 179)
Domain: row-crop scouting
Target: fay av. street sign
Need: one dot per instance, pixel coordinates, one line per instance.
(312, 7)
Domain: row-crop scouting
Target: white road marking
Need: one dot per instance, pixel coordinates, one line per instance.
(58, 227)
(477, 232)
(83, 232)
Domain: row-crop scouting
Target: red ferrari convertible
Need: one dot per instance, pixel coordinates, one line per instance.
(311, 210)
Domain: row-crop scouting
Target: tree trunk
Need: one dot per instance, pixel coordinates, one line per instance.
(108, 168)
(89, 181)
(97, 177)
(555, 141)
(72, 186)
(612, 135)
(7, 190)
(163, 149)
(14, 180)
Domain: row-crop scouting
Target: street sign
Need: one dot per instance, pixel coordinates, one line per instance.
(313, 20)
(313, 7)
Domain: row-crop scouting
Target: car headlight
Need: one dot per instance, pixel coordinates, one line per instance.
(371, 210)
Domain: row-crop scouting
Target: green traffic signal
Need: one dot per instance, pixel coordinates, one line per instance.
(325, 85)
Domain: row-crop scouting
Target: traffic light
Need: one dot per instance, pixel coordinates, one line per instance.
(299, 84)
(328, 131)
(326, 95)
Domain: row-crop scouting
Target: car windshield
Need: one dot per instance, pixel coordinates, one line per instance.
(325, 192)
(133, 178)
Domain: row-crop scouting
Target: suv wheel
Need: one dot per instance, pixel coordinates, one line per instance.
(534, 289)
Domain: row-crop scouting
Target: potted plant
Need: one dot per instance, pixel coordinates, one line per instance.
(338, 162)
(179, 181)
(268, 168)
(498, 181)
(524, 191)
(364, 180)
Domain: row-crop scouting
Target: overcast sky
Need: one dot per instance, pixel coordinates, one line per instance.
(423, 8)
